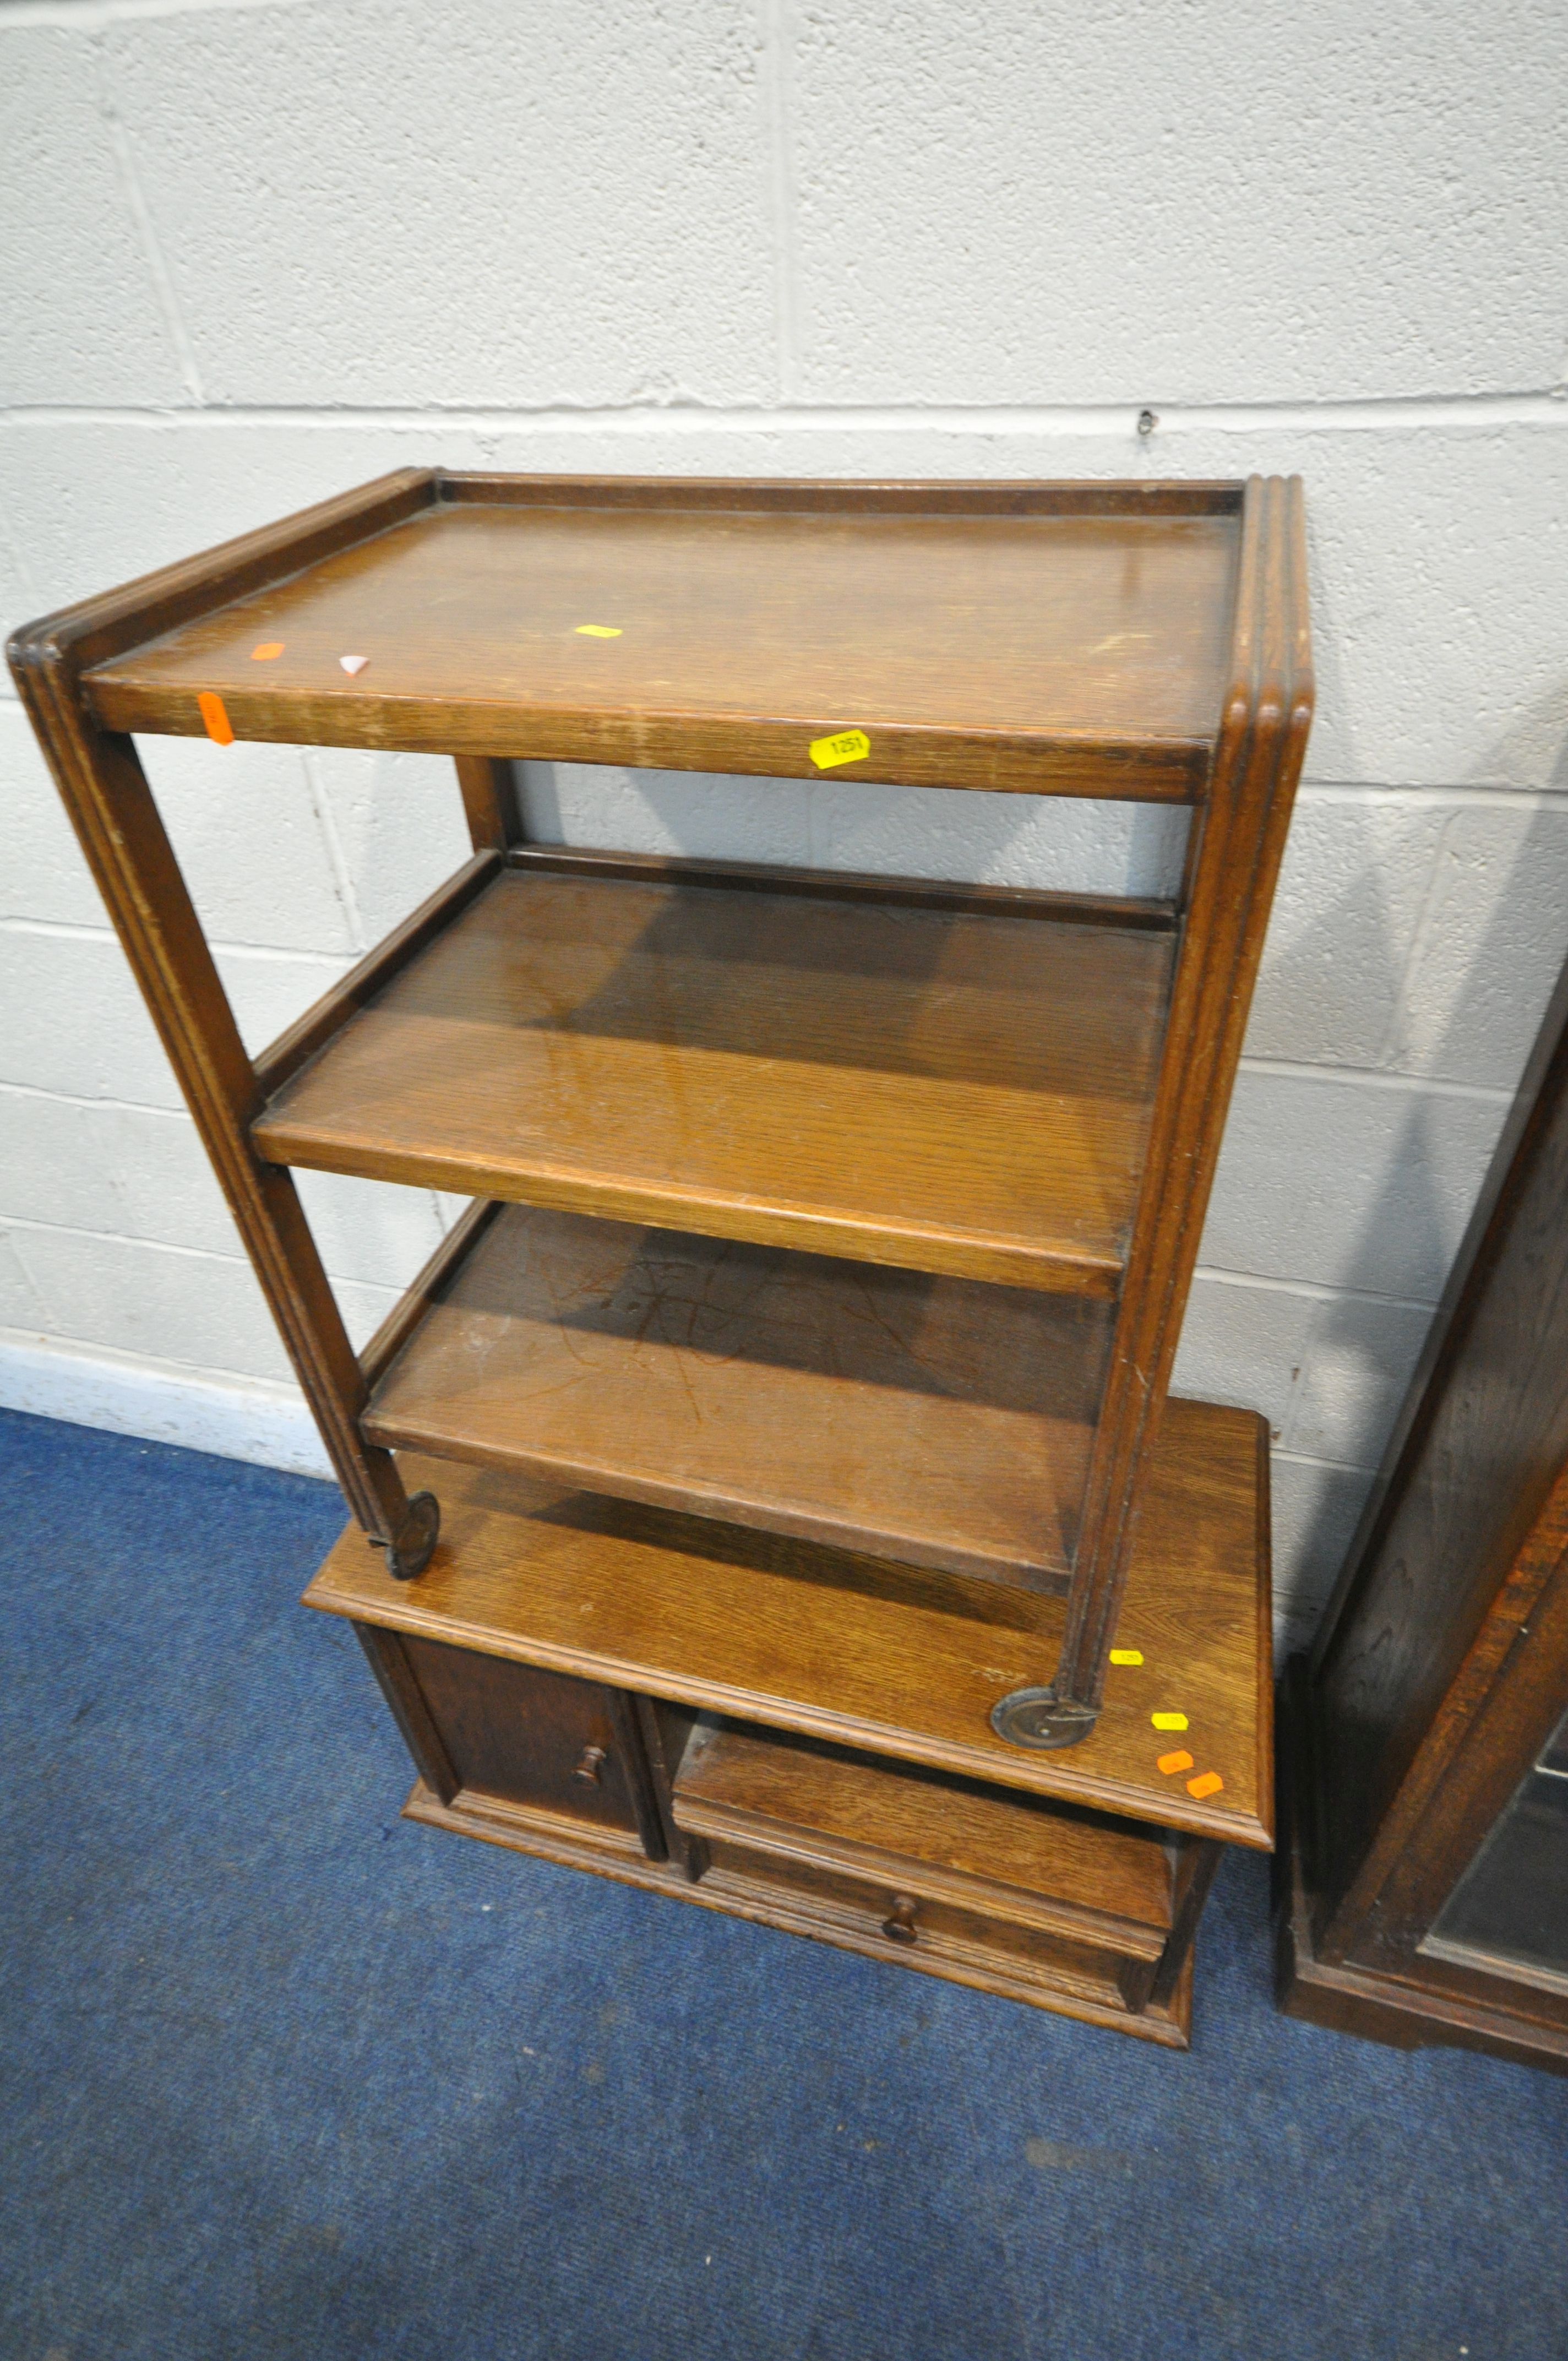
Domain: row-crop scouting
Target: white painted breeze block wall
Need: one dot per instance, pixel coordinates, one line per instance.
(257, 252)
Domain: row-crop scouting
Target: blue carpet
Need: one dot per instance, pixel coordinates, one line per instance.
(281, 2074)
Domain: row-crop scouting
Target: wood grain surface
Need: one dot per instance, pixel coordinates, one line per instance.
(865, 1653)
(909, 1086)
(934, 1420)
(1079, 654)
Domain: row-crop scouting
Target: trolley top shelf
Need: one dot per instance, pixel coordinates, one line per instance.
(1059, 639)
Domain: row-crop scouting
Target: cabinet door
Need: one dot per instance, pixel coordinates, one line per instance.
(483, 1725)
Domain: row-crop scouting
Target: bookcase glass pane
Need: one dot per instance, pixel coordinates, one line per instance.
(1509, 1911)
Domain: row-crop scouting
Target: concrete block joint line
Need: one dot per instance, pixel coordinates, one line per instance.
(258, 250)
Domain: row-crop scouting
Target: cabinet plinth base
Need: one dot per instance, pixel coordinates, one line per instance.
(1385, 2008)
(550, 1837)
(1400, 2012)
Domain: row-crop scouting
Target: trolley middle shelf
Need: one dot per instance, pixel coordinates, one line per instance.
(881, 1078)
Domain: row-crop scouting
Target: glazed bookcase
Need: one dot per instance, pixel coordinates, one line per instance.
(1423, 1889)
(852, 1213)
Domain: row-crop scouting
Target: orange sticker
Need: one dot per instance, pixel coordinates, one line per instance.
(1171, 1764)
(265, 653)
(219, 728)
(1209, 1784)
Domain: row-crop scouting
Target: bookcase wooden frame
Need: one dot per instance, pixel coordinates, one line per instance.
(94, 672)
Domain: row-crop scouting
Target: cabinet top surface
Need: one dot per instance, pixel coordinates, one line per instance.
(735, 634)
(877, 1656)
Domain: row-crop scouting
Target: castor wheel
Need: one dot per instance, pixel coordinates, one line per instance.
(409, 1552)
(1038, 1718)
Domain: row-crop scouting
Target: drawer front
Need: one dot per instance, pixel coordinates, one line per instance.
(533, 1737)
(916, 1928)
(992, 1856)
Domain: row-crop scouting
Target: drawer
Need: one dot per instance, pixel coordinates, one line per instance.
(913, 1927)
(482, 1726)
(998, 1856)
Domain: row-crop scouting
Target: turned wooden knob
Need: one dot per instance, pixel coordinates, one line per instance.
(591, 1765)
(900, 1927)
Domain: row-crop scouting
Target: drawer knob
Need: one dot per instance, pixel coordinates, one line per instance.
(900, 1927)
(591, 1765)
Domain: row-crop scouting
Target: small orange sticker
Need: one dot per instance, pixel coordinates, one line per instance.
(1209, 1784)
(219, 727)
(1171, 1764)
(266, 650)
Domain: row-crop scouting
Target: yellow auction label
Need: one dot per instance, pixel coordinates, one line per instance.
(848, 746)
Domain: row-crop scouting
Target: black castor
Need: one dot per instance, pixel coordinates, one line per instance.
(1039, 1717)
(409, 1551)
